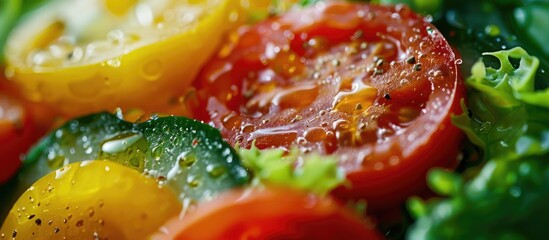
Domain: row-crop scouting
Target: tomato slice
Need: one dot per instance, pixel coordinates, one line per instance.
(268, 213)
(86, 56)
(90, 200)
(18, 129)
(374, 85)
(15, 135)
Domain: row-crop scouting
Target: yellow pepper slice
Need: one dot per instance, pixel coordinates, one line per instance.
(91, 200)
(91, 55)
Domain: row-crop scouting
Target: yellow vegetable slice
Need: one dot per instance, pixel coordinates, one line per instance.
(91, 200)
(90, 55)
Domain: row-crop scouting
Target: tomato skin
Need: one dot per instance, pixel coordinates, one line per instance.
(375, 86)
(17, 134)
(21, 124)
(268, 213)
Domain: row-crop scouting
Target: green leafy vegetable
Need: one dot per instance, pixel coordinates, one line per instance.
(312, 172)
(187, 155)
(420, 6)
(509, 119)
(308, 2)
(9, 11)
(508, 116)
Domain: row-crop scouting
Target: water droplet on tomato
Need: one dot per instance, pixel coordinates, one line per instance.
(341, 125)
(347, 102)
(248, 128)
(232, 121)
(394, 160)
(296, 97)
(407, 114)
(315, 134)
(378, 166)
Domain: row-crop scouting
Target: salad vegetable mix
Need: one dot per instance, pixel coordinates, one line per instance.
(283, 119)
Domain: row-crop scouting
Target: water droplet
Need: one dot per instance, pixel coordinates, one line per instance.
(394, 160)
(152, 70)
(120, 142)
(215, 171)
(315, 134)
(430, 31)
(193, 181)
(86, 88)
(186, 159)
(144, 15)
(248, 128)
(296, 97)
(55, 160)
(341, 125)
(157, 152)
(116, 36)
(232, 121)
(347, 101)
(115, 62)
(407, 114)
(128, 149)
(515, 191)
(233, 16)
(378, 166)
(492, 30)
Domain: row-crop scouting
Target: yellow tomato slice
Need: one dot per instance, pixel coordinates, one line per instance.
(89, 55)
(91, 200)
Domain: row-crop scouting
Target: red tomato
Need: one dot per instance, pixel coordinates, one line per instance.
(374, 85)
(16, 135)
(268, 213)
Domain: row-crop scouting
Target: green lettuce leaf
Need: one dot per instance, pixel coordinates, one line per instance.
(509, 120)
(310, 172)
(506, 116)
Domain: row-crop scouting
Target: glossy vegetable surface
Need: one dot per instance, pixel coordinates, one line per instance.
(89, 200)
(314, 95)
(375, 86)
(87, 56)
(506, 197)
(16, 135)
(269, 213)
(185, 154)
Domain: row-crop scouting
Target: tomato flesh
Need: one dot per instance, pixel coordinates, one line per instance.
(17, 134)
(374, 85)
(269, 213)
